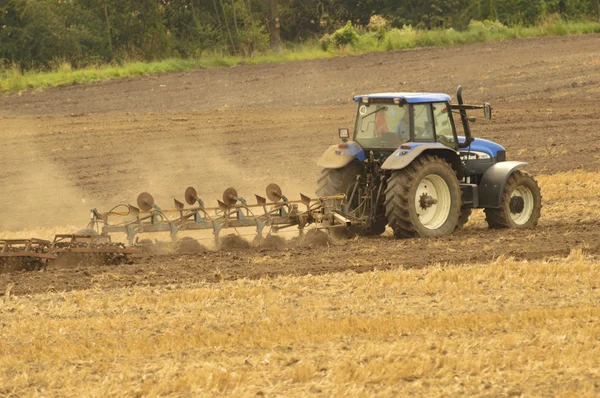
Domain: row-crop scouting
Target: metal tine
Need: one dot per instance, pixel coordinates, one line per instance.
(305, 200)
(179, 206)
(260, 200)
(134, 212)
(222, 206)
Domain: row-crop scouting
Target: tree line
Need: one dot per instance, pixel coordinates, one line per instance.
(41, 33)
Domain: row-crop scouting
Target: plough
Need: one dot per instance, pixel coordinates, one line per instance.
(94, 245)
(233, 212)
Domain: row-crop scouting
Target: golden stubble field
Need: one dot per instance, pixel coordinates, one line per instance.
(506, 328)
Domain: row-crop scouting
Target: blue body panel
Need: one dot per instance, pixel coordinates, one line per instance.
(411, 98)
(481, 145)
(337, 156)
(354, 149)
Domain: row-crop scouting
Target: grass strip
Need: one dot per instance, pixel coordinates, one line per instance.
(15, 80)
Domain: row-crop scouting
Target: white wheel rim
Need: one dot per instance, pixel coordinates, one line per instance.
(520, 213)
(433, 201)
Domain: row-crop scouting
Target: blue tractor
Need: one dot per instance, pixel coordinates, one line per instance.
(413, 164)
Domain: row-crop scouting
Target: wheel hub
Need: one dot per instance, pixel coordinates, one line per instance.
(517, 204)
(521, 205)
(432, 201)
(426, 201)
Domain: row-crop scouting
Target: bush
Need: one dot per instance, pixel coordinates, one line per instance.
(379, 25)
(325, 42)
(346, 35)
(378, 22)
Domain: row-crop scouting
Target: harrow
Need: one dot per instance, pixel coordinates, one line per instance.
(272, 213)
(29, 254)
(66, 249)
(91, 249)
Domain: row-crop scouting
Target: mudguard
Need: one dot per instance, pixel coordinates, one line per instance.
(492, 183)
(339, 155)
(404, 155)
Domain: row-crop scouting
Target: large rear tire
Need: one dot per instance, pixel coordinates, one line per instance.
(521, 203)
(423, 199)
(341, 181)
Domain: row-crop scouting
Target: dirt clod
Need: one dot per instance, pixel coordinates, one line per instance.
(316, 237)
(272, 242)
(188, 245)
(234, 242)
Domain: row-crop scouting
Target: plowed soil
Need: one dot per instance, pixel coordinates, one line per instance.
(66, 150)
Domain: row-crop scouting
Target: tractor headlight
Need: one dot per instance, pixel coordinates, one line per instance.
(344, 134)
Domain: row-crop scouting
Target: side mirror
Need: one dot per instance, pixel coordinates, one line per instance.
(344, 134)
(487, 111)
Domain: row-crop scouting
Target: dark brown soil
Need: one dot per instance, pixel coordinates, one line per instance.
(66, 150)
(472, 245)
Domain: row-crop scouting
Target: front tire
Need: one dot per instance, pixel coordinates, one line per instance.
(521, 203)
(423, 199)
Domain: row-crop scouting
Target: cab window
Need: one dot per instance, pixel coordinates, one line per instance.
(423, 125)
(382, 125)
(443, 124)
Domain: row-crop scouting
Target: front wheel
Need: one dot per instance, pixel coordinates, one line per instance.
(521, 203)
(423, 199)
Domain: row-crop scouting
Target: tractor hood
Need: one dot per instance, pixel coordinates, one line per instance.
(484, 146)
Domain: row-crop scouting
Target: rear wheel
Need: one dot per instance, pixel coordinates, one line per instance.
(423, 199)
(521, 203)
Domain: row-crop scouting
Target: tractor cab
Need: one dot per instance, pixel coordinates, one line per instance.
(386, 121)
(389, 125)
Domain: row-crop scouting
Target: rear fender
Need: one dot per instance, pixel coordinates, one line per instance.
(493, 181)
(404, 156)
(339, 155)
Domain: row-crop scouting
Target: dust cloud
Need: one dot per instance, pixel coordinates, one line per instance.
(210, 170)
(38, 193)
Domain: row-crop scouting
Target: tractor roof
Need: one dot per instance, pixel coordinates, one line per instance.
(411, 98)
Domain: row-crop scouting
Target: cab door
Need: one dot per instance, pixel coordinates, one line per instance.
(445, 132)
